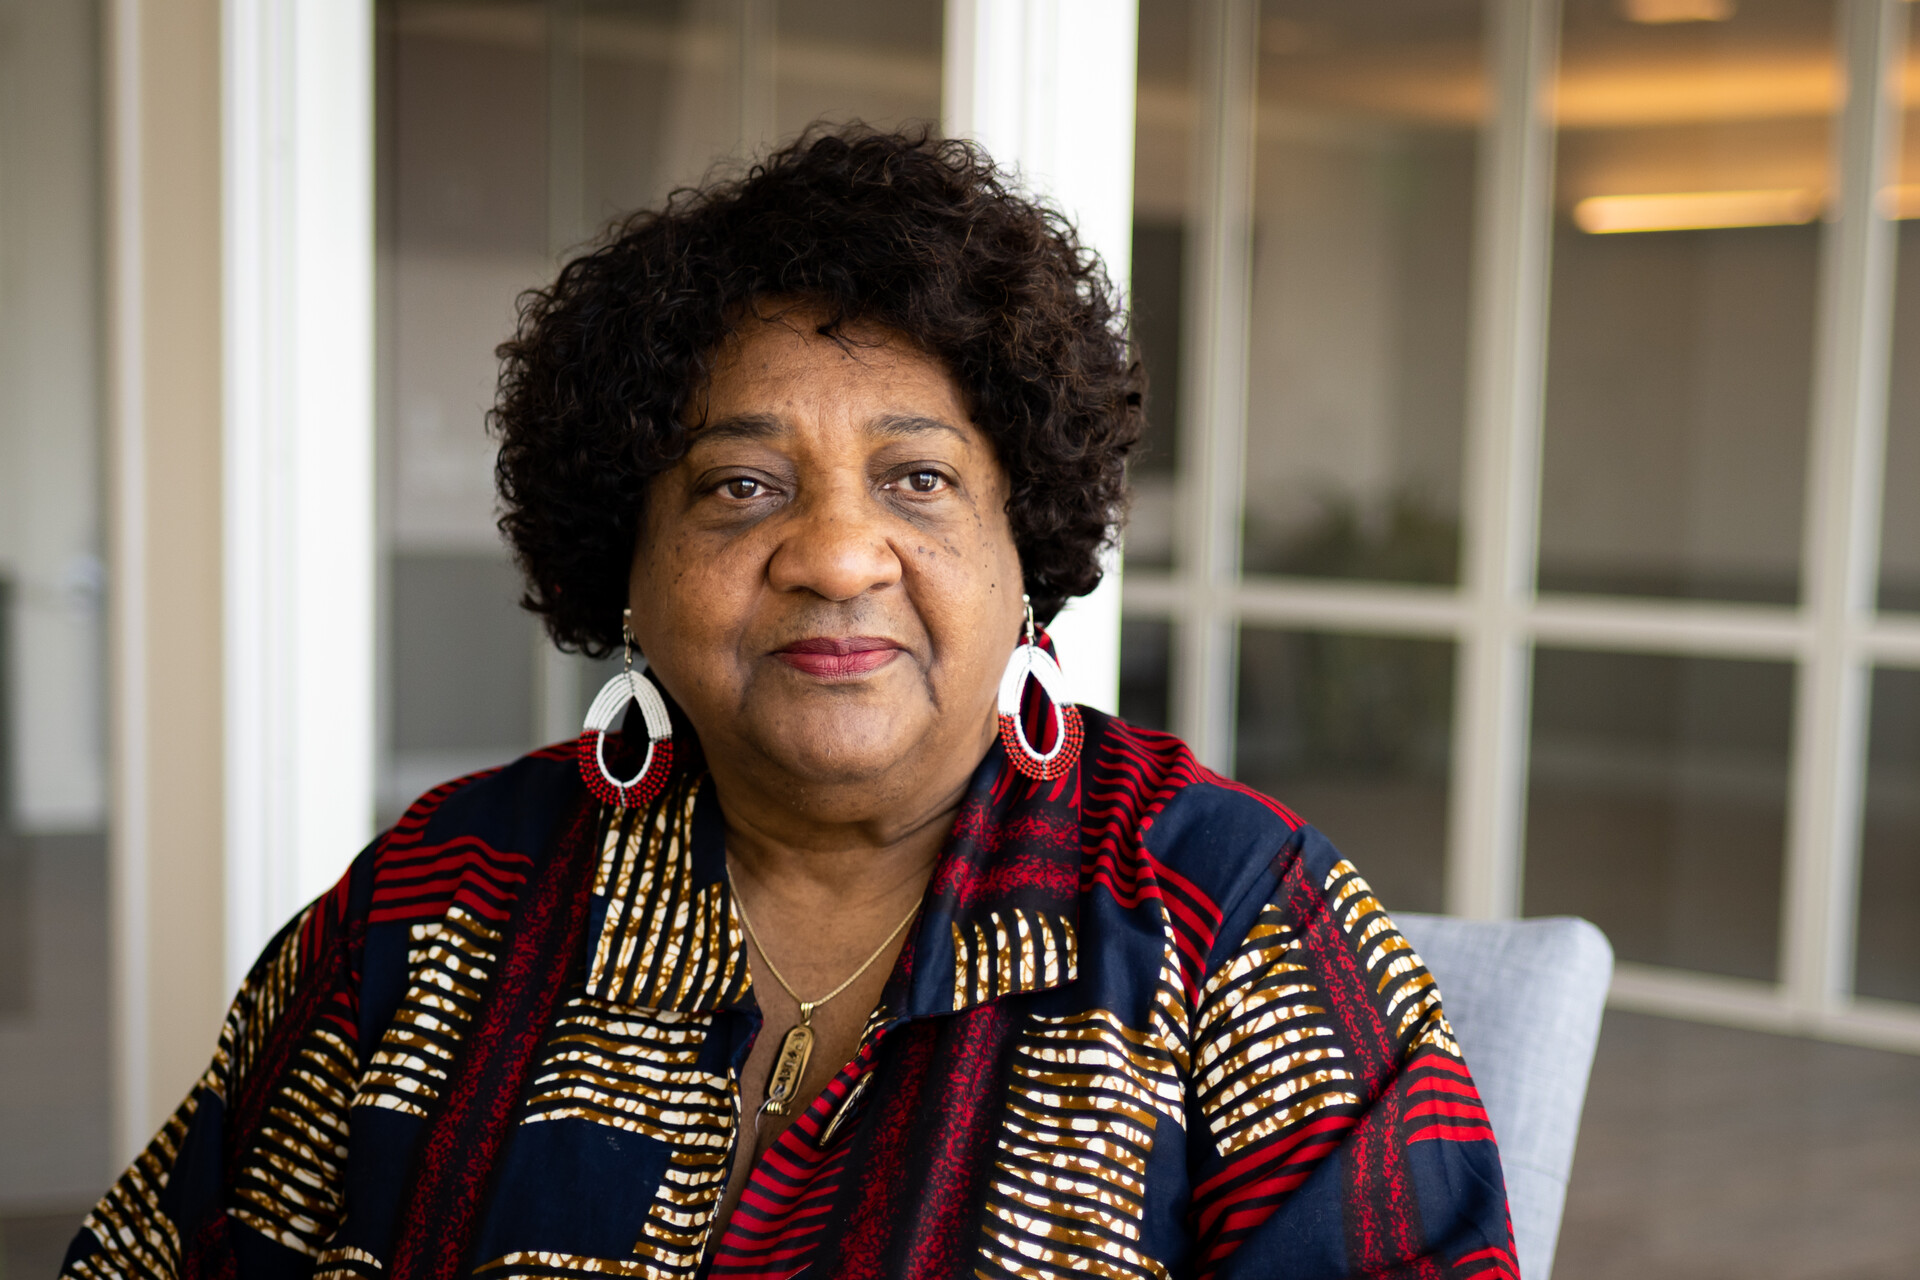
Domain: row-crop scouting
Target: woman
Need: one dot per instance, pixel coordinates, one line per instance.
(865, 954)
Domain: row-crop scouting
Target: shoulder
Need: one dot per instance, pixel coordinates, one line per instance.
(1146, 791)
(470, 841)
(453, 868)
(495, 797)
(1157, 824)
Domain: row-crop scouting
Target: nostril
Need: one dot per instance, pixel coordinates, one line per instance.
(834, 558)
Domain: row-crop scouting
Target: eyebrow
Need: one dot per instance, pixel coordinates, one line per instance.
(746, 426)
(910, 424)
(761, 426)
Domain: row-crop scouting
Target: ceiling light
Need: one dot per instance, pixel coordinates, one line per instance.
(1696, 210)
(1664, 11)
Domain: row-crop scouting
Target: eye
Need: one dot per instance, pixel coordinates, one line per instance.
(925, 481)
(743, 488)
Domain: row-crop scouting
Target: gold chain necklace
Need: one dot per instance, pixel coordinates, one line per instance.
(796, 1048)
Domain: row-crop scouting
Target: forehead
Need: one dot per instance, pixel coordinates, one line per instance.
(781, 365)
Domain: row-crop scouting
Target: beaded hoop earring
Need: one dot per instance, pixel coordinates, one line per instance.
(631, 685)
(1030, 661)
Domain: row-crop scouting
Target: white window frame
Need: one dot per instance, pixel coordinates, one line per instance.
(1032, 81)
(297, 456)
(1834, 637)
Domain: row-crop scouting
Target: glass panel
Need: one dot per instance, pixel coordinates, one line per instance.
(511, 133)
(1657, 804)
(1145, 672)
(1887, 954)
(1165, 116)
(1369, 119)
(1354, 733)
(871, 60)
(464, 134)
(1693, 165)
(648, 94)
(54, 1065)
(440, 728)
(1900, 541)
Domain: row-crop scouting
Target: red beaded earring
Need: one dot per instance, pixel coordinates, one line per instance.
(631, 685)
(1030, 661)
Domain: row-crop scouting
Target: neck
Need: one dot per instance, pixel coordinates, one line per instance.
(844, 864)
(868, 845)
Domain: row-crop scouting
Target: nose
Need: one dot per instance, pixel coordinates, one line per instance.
(836, 547)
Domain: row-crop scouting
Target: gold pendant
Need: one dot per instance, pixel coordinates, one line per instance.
(789, 1069)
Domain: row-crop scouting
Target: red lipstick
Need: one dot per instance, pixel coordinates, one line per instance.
(838, 657)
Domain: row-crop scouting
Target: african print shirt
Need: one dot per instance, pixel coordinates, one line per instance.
(1147, 1024)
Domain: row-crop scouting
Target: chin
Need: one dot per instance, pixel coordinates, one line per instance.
(840, 750)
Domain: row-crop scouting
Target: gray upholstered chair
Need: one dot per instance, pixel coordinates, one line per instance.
(1524, 998)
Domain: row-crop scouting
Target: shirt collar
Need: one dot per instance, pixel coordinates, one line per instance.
(1000, 916)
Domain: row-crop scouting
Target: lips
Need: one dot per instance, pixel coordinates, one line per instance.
(838, 657)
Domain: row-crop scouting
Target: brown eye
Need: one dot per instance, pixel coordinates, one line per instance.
(923, 481)
(742, 487)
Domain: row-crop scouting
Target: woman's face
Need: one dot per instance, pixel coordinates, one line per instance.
(827, 582)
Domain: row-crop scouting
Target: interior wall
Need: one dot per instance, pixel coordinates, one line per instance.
(50, 507)
(54, 1076)
(164, 464)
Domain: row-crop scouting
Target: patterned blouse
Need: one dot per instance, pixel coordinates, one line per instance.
(1148, 1023)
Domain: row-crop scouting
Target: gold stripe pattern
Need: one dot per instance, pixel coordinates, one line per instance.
(256, 1008)
(1393, 968)
(347, 1263)
(137, 1240)
(541, 1265)
(448, 976)
(637, 1072)
(1266, 1057)
(664, 943)
(289, 1187)
(1009, 952)
(1085, 1096)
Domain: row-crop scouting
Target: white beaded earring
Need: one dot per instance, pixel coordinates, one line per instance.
(631, 685)
(1030, 661)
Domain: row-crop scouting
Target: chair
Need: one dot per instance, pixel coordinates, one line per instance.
(1524, 998)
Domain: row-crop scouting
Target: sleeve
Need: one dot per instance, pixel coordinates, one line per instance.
(244, 1178)
(1336, 1128)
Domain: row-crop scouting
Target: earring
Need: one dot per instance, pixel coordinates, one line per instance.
(1030, 661)
(630, 685)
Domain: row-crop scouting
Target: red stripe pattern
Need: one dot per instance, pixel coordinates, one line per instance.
(418, 879)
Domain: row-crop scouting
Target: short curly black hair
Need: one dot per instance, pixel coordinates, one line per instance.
(918, 234)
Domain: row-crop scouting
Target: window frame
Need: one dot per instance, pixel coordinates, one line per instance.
(1834, 637)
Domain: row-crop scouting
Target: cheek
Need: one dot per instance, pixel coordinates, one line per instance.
(671, 589)
(978, 580)
(666, 588)
(699, 599)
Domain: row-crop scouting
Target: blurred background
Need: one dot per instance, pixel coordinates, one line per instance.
(1531, 498)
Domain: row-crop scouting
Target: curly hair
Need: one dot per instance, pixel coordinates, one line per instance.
(915, 234)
